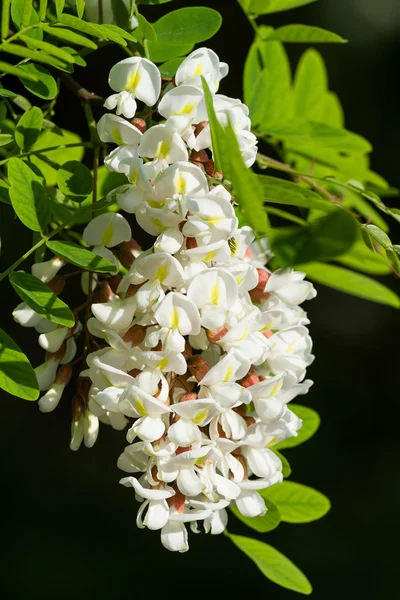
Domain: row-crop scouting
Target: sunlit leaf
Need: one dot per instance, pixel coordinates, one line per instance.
(17, 376)
(28, 128)
(28, 196)
(38, 296)
(273, 564)
(297, 503)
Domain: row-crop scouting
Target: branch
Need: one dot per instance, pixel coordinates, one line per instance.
(82, 93)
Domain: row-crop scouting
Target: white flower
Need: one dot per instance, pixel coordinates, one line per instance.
(132, 78)
(46, 271)
(201, 62)
(162, 142)
(108, 229)
(214, 292)
(113, 129)
(184, 100)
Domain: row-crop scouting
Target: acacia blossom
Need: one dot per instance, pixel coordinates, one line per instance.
(199, 346)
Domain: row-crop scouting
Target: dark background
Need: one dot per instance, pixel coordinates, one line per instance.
(69, 528)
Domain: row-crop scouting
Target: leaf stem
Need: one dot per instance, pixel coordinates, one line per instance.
(45, 150)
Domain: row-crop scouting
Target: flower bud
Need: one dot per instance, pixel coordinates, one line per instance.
(198, 367)
(250, 380)
(268, 333)
(191, 243)
(139, 124)
(210, 168)
(135, 335)
(91, 429)
(199, 127)
(199, 157)
(56, 285)
(215, 336)
(102, 293)
(187, 397)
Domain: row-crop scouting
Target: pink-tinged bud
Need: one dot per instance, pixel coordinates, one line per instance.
(191, 243)
(135, 335)
(78, 407)
(240, 410)
(114, 282)
(259, 296)
(201, 156)
(139, 124)
(56, 285)
(263, 277)
(157, 348)
(215, 336)
(199, 127)
(64, 375)
(102, 293)
(250, 380)
(198, 367)
(187, 397)
(237, 452)
(218, 175)
(249, 421)
(177, 501)
(181, 449)
(269, 333)
(210, 168)
(263, 378)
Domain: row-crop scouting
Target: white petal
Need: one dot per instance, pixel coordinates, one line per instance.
(147, 492)
(174, 537)
(108, 229)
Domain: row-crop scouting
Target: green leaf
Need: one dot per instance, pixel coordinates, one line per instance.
(297, 503)
(28, 128)
(188, 25)
(146, 29)
(35, 55)
(120, 13)
(273, 564)
(39, 81)
(80, 257)
(5, 138)
(310, 86)
(59, 7)
(7, 93)
(80, 25)
(19, 72)
(4, 192)
(311, 423)
(17, 376)
(38, 296)
(43, 9)
(121, 33)
(305, 34)
(264, 7)
(160, 52)
(80, 8)
(351, 283)
(49, 48)
(75, 180)
(268, 522)
(219, 148)
(362, 259)
(269, 94)
(226, 153)
(70, 36)
(51, 139)
(322, 239)
(169, 68)
(280, 191)
(28, 196)
(5, 18)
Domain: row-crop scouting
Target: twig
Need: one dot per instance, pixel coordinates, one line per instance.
(86, 96)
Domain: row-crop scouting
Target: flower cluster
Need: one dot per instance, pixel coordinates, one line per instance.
(196, 346)
(205, 346)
